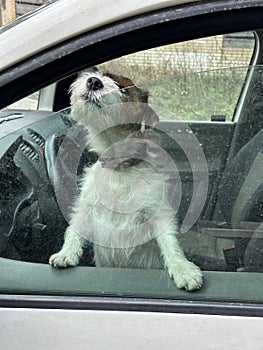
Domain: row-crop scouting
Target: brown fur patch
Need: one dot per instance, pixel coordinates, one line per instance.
(140, 109)
(134, 94)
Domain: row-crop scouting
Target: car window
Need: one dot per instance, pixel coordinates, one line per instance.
(197, 80)
(210, 70)
(28, 103)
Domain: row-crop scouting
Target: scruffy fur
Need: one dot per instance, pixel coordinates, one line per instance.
(163, 249)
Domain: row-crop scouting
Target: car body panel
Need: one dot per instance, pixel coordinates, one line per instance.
(65, 19)
(115, 330)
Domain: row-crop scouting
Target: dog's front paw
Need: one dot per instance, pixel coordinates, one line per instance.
(186, 275)
(65, 259)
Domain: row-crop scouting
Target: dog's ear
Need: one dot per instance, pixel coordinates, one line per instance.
(140, 109)
(120, 80)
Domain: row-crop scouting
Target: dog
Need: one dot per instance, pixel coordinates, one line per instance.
(116, 208)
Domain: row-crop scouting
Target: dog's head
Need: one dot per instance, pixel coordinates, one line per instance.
(94, 91)
(92, 88)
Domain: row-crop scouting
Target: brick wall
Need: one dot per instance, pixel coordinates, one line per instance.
(207, 54)
(7, 11)
(10, 9)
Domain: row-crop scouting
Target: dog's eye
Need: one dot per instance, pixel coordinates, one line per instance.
(124, 91)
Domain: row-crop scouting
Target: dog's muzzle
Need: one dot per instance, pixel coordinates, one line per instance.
(94, 84)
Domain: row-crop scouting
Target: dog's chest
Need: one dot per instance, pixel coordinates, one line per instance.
(128, 191)
(145, 256)
(118, 208)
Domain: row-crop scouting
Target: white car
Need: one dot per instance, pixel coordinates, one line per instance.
(201, 62)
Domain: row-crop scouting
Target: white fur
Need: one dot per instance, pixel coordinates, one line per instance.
(115, 231)
(79, 91)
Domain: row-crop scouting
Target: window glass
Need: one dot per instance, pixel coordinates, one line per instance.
(135, 175)
(187, 73)
(210, 71)
(30, 102)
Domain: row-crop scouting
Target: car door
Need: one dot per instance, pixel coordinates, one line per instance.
(210, 122)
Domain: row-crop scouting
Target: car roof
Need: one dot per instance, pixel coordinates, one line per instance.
(62, 20)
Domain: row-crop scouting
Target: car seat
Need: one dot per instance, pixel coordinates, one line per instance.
(240, 202)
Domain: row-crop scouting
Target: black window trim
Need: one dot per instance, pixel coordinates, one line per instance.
(131, 304)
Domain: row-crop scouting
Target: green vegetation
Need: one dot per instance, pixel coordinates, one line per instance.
(198, 96)
(186, 95)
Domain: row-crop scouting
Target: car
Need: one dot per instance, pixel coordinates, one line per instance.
(201, 63)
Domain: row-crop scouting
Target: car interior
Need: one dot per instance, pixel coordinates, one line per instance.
(226, 236)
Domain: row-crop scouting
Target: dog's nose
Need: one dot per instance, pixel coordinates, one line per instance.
(94, 83)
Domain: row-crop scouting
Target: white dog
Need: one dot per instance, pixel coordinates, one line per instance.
(122, 207)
